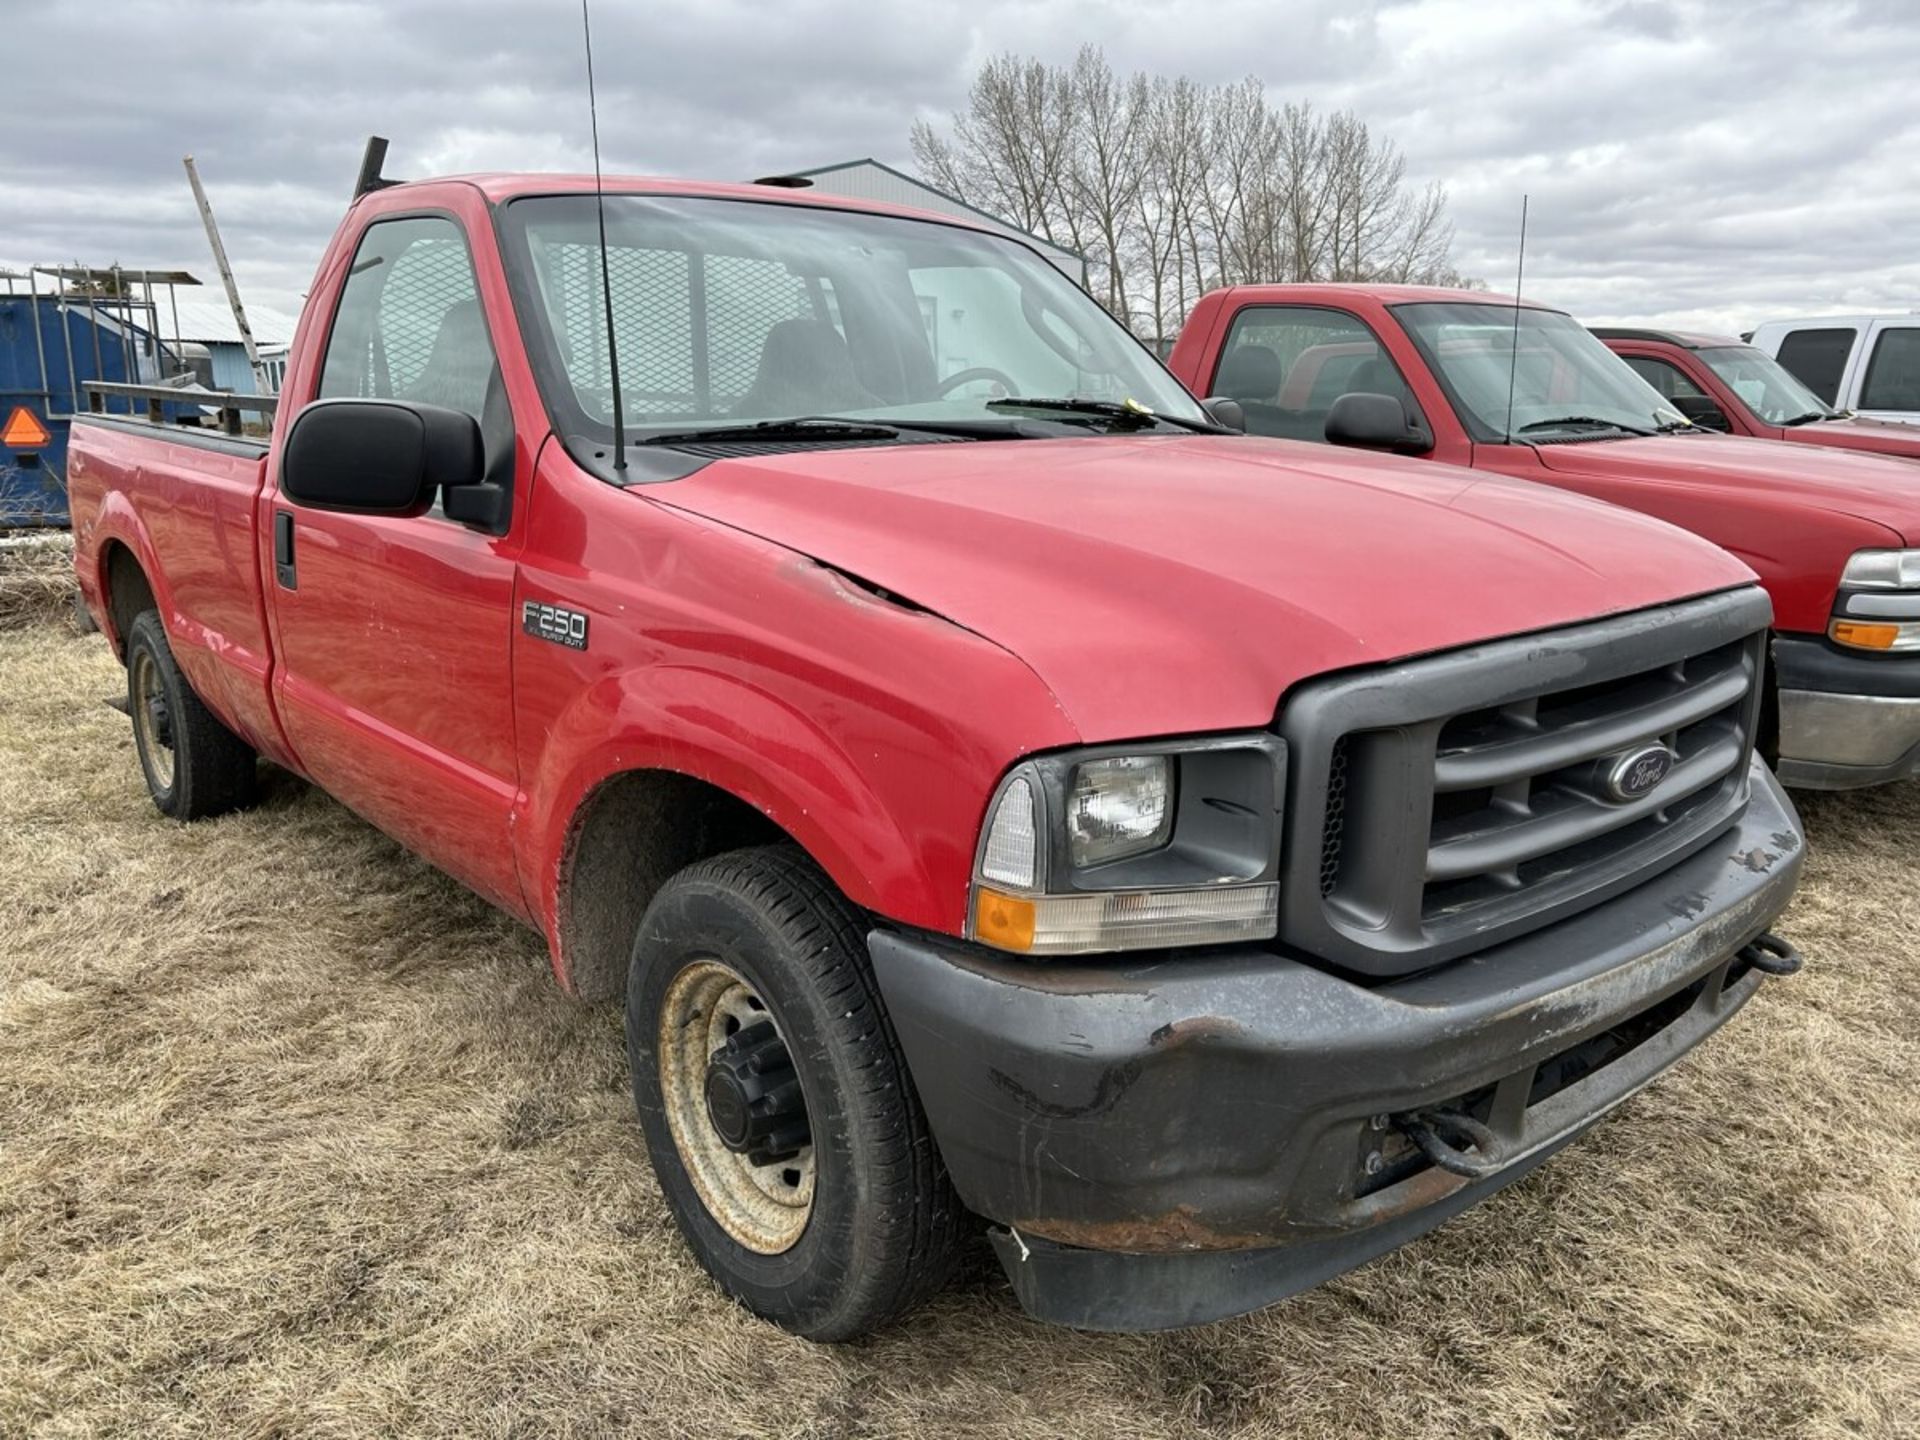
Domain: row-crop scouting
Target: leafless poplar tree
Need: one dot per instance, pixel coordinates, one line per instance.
(1169, 188)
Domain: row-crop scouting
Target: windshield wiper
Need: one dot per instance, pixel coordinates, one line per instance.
(1122, 412)
(1810, 417)
(1562, 422)
(800, 427)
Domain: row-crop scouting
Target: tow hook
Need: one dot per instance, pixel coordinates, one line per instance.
(1437, 1135)
(1772, 955)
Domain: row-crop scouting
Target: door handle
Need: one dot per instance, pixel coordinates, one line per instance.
(283, 570)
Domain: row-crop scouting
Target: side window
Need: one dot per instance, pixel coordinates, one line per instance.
(409, 324)
(1286, 365)
(1893, 374)
(1817, 359)
(1669, 379)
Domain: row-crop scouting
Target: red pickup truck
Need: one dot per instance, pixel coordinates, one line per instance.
(1519, 389)
(991, 787)
(1728, 385)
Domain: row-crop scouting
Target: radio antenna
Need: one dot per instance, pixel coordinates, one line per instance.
(1520, 276)
(606, 280)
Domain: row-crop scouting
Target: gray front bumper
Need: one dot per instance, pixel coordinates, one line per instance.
(1172, 1140)
(1845, 742)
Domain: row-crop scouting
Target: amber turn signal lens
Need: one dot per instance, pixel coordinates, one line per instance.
(1003, 920)
(1862, 636)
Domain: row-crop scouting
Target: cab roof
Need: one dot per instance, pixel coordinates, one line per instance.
(499, 187)
(1299, 290)
(1685, 340)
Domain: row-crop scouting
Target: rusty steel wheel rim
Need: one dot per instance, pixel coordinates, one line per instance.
(152, 724)
(763, 1207)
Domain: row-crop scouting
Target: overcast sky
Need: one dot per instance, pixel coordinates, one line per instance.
(1706, 164)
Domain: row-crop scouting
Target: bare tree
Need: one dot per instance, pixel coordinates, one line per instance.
(1170, 188)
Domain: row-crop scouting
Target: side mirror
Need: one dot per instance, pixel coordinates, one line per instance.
(1701, 411)
(1376, 422)
(1225, 412)
(380, 457)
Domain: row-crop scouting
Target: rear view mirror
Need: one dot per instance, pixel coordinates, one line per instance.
(1222, 411)
(1701, 411)
(379, 457)
(1376, 422)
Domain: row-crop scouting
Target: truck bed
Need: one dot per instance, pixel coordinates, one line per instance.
(194, 497)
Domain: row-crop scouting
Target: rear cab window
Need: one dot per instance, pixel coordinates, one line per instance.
(1893, 370)
(1818, 358)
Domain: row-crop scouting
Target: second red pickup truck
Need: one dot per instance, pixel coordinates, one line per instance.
(1725, 384)
(992, 788)
(1519, 389)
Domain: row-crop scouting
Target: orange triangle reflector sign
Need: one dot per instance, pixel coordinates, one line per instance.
(23, 430)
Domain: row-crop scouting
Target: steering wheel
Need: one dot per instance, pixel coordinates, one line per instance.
(978, 372)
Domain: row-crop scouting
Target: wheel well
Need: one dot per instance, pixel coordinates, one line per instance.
(128, 592)
(631, 833)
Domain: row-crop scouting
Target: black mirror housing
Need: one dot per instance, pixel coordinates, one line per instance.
(379, 457)
(1225, 412)
(1376, 422)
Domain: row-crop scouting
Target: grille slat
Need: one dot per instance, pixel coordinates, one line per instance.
(1534, 753)
(1576, 819)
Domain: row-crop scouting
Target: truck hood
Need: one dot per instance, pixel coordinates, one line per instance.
(1171, 584)
(1874, 488)
(1856, 432)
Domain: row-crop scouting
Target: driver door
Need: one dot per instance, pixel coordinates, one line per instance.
(393, 633)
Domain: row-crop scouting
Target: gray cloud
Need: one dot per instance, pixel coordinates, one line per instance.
(1687, 162)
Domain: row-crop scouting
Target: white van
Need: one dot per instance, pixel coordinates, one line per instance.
(1869, 364)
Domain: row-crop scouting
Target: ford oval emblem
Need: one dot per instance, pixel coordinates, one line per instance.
(1639, 772)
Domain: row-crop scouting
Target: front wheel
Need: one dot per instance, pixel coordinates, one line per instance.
(779, 1115)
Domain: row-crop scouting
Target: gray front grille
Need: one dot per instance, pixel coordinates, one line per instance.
(1444, 804)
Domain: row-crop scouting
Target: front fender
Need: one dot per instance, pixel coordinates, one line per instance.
(740, 739)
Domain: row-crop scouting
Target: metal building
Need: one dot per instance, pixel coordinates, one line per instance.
(870, 180)
(210, 323)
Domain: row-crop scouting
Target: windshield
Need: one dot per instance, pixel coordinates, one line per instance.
(1565, 384)
(1764, 385)
(732, 312)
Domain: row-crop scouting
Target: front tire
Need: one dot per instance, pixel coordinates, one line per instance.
(812, 1194)
(195, 767)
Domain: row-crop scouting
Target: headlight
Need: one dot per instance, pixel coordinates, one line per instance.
(1883, 570)
(1147, 848)
(1878, 607)
(1119, 807)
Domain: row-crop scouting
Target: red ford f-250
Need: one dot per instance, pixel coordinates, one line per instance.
(1519, 389)
(990, 789)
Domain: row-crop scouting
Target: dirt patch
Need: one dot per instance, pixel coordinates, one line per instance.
(297, 1137)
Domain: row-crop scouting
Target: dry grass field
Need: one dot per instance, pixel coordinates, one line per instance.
(298, 1138)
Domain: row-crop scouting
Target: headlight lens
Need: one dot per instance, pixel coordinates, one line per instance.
(1883, 570)
(1878, 606)
(1119, 807)
(1175, 845)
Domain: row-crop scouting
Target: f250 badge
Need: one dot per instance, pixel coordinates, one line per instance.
(554, 622)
